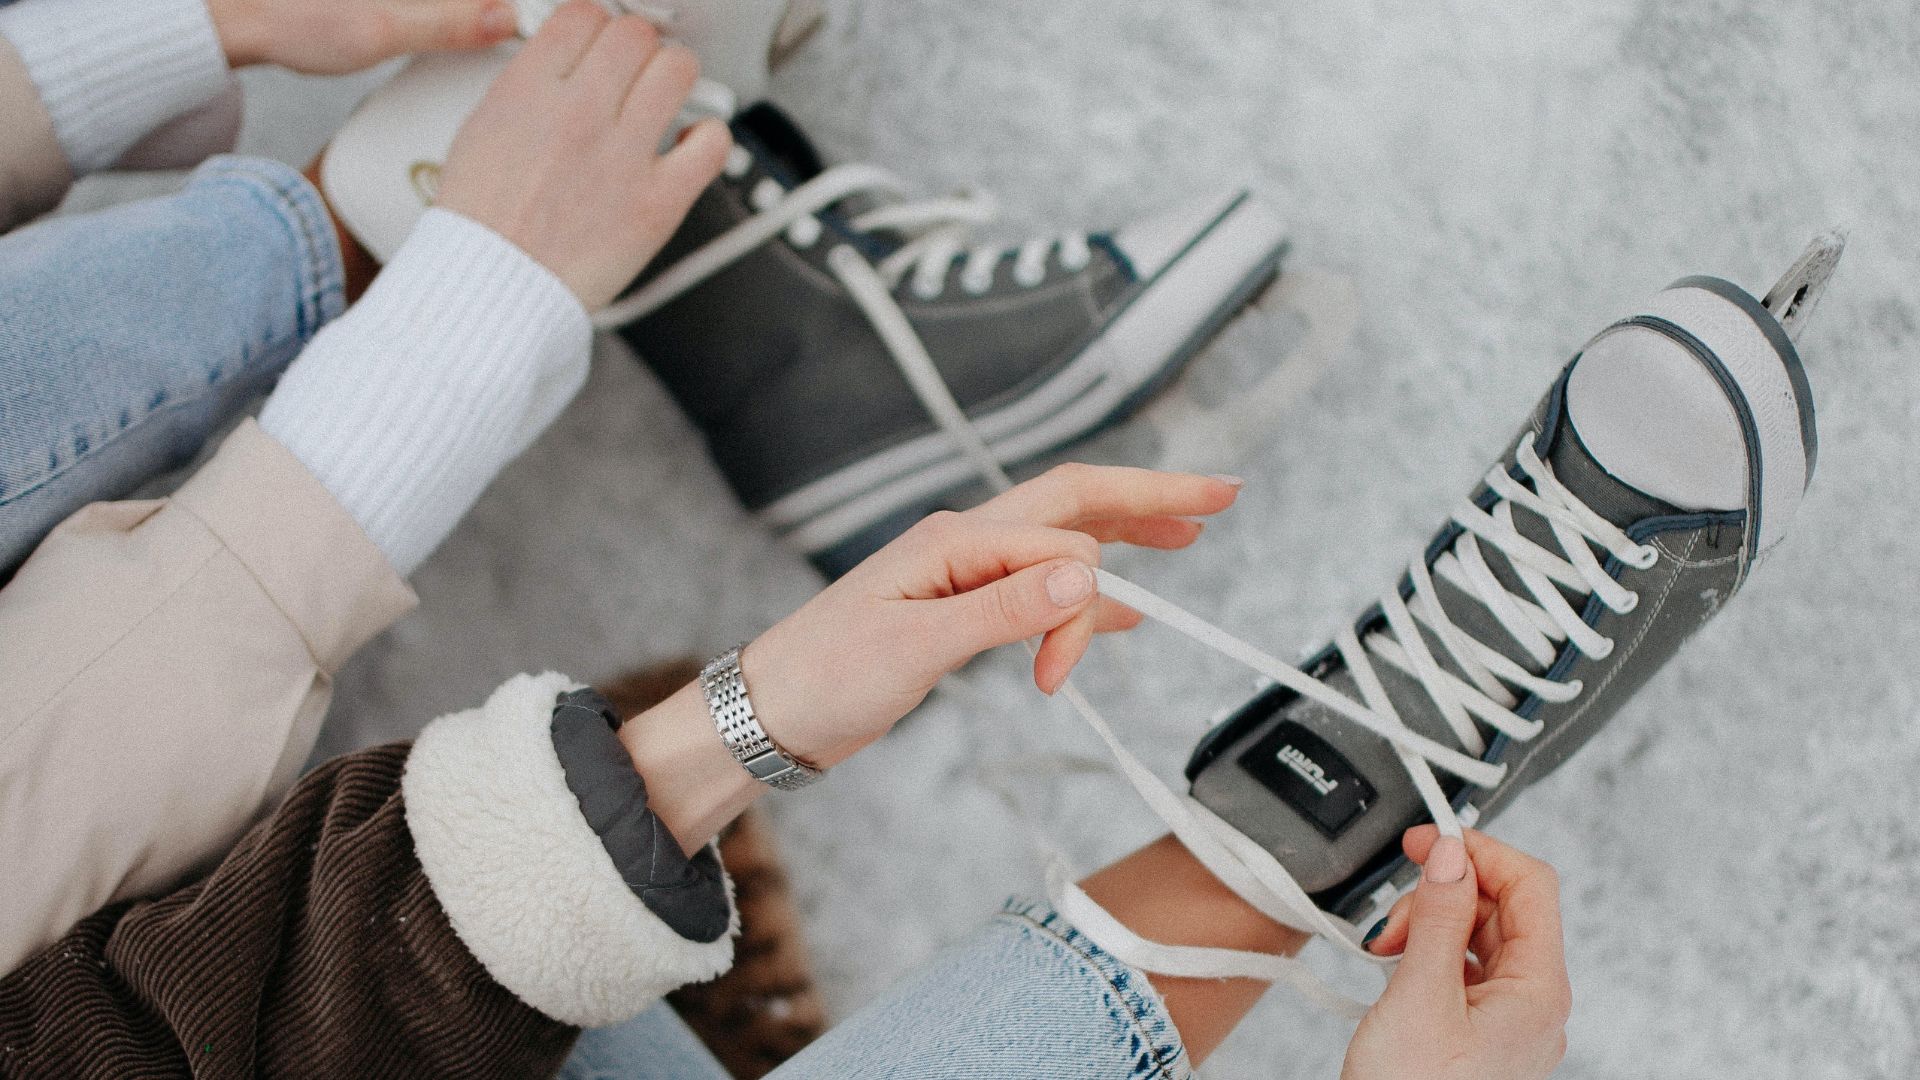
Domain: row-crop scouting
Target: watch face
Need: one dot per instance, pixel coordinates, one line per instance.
(1309, 775)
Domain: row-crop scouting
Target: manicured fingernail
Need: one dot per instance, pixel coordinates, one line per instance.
(1229, 480)
(1378, 929)
(499, 19)
(1069, 584)
(1447, 862)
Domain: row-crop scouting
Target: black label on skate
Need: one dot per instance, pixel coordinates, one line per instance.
(1310, 776)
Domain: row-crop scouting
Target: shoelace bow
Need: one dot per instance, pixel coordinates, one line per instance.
(1538, 623)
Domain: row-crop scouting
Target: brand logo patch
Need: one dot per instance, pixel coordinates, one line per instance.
(1316, 777)
(1309, 775)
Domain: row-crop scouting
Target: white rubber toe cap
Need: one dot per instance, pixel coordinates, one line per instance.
(1152, 244)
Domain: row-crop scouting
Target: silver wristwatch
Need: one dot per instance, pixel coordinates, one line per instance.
(726, 691)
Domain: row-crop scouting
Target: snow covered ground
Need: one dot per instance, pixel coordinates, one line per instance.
(1740, 851)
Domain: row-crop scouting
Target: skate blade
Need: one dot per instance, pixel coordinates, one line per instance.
(1793, 298)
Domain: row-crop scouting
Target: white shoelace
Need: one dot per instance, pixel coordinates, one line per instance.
(937, 229)
(1538, 623)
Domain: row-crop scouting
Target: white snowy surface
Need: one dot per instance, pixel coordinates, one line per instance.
(1740, 850)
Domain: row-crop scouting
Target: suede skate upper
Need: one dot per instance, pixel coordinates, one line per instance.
(1347, 852)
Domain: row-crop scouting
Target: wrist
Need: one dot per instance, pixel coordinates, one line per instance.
(693, 784)
(725, 687)
(779, 680)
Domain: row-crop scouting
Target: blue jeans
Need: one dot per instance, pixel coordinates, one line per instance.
(1026, 996)
(130, 335)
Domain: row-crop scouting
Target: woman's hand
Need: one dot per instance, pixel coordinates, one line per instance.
(333, 37)
(838, 673)
(562, 157)
(1481, 991)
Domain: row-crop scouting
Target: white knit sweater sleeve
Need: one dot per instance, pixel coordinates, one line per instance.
(456, 359)
(109, 71)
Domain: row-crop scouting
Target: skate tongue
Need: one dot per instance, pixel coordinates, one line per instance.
(1341, 756)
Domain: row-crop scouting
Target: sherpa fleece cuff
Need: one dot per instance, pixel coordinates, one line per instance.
(110, 71)
(524, 880)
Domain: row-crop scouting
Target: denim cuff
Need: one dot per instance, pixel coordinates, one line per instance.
(320, 276)
(1130, 998)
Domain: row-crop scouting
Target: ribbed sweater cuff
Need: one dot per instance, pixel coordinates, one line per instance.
(407, 406)
(109, 71)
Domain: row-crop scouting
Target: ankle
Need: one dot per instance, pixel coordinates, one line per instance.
(1164, 894)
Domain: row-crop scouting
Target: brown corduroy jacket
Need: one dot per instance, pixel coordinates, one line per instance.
(315, 949)
(440, 910)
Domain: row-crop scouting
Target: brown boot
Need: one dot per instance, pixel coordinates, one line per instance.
(766, 1009)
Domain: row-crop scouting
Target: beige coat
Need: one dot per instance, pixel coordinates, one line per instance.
(164, 667)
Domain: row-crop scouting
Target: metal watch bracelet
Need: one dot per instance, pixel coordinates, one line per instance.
(726, 692)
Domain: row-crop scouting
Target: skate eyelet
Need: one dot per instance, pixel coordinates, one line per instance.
(927, 288)
(977, 284)
(804, 232)
(1076, 260)
(1606, 650)
(1574, 687)
(1027, 276)
(1632, 601)
(1644, 557)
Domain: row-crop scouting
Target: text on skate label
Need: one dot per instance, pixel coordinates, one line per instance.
(1310, 776)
